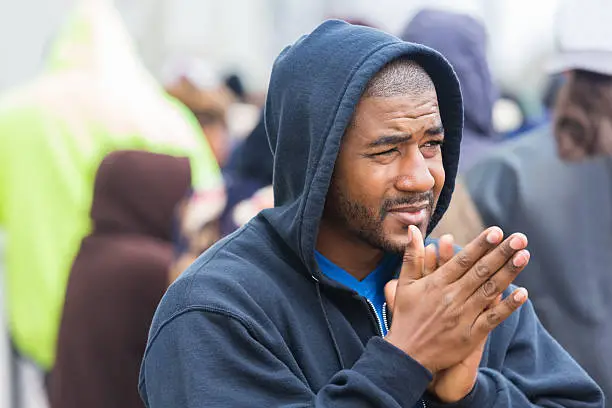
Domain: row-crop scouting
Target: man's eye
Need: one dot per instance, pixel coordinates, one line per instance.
(385, 153)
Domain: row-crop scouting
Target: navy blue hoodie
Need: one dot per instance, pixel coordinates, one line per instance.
(254, 323)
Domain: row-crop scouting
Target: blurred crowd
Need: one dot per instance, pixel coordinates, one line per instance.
(112, 183)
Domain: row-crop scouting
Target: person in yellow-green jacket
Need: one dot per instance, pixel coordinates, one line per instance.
(94, 97)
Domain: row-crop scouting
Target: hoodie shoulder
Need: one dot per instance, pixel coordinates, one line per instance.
(241, 276)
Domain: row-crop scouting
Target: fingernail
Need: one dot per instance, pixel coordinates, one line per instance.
(520, 295)
(409, 234)
(494, 236)
(517, 243)
(521, 259)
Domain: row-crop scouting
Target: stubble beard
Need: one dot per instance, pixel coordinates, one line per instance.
(366, 224)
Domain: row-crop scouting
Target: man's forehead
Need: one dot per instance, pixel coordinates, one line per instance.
(398, 107)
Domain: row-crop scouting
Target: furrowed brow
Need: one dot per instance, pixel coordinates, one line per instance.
(390, 140)
(438, 130)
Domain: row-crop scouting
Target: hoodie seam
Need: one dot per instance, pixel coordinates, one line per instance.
(188, 289)
(202, 308)
(250, 327)
(205, 309)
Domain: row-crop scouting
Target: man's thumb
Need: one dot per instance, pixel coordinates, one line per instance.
(390, 289)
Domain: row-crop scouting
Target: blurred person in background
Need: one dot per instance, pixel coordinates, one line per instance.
(94, 97)
(248, 177)
(556, 185)
(193, 82)
(249, 169)
(290, 310)
(235, 84)
(118, 277)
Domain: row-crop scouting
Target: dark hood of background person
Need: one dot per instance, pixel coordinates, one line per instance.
(248, 169)
(463, 42)
(253, 159)
(136, 193)
(234, 83)
(117, 279)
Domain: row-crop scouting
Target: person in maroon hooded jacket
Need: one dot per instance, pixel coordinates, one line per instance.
(117, 280)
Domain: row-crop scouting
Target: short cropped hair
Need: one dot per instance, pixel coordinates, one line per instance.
(399, 77)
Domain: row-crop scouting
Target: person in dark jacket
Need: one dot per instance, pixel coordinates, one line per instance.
(248, 170)
(289, 311)
(117, 279)
(462, 40)
(555, 183)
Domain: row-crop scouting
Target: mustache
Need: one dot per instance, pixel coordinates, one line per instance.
(417, 198)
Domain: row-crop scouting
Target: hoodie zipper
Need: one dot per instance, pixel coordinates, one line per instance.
(386, 325)
(373, 310)
(384, 316)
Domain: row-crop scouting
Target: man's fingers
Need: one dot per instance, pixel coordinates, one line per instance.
(390, 289)
(492, 317)
(494, 286)
(490, 264)
(431, 259)
(446, 248)
(414, 257)
(466, 258)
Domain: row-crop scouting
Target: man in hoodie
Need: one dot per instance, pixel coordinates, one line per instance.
(290, 310)
(119, 275)
(555, 184)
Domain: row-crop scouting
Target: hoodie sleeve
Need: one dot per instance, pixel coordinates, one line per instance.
(535, 372)
(209, 358)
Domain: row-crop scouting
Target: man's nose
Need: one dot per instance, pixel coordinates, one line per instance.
(414, 174)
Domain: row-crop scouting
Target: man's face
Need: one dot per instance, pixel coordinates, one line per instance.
(582, 123)
(389, 171)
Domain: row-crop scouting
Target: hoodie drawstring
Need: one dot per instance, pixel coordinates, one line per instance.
(329, 326)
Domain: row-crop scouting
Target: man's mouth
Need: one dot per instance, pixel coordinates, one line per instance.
(415, 214)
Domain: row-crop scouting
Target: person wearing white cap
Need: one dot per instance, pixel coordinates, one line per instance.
(556, 186)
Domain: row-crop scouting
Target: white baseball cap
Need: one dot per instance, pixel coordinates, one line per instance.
(583, 36)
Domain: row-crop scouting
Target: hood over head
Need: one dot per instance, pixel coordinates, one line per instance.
(315, 86)
(463, 41)
(137, 192)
